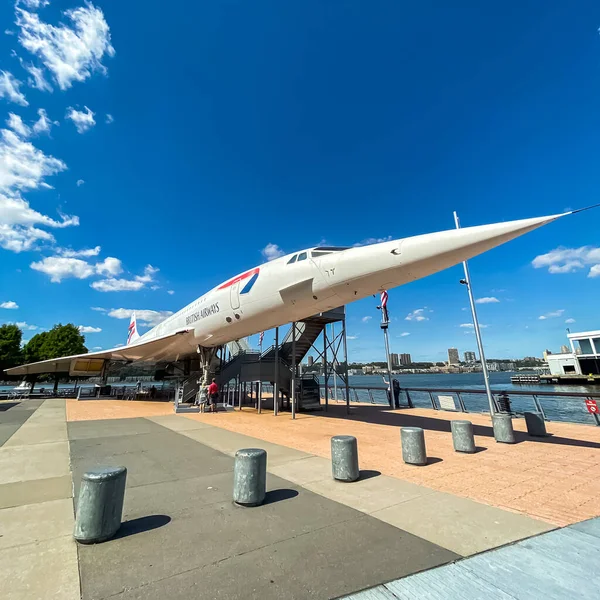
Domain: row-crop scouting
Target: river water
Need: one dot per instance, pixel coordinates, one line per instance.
(556, 408)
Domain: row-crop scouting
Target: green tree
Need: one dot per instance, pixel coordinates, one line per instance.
(63, 340)
(10, 347)
(34, 348)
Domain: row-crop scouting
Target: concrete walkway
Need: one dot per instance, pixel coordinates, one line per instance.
(38, 557)
(460, 525)
(314, 538)
(184, 538)
(554, 566)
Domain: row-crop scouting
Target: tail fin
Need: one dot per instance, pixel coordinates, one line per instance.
(133, 332)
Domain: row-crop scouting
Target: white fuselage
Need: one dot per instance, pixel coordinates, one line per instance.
(280, 291)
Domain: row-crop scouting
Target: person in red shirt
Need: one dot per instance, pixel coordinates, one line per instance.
(213, 395)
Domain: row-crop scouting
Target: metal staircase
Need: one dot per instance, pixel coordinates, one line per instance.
(307, 333)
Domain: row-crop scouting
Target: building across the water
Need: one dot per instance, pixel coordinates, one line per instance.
(453, 358)
(405, 359)
(470, 357)
(584, 358)
(395, 360)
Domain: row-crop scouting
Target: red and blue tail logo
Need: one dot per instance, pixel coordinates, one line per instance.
(251, 276)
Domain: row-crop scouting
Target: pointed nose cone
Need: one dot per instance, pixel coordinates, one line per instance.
(437, 251)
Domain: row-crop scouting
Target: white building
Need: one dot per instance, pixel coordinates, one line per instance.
(584, 358)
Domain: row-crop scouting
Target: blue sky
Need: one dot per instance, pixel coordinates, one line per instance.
(155, 151)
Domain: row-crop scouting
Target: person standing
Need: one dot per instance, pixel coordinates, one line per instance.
(213, 395)
(396, 388)
(389, 391)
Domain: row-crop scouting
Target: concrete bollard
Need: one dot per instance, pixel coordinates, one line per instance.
(100, 504)
(413, 446)
(536, 426)
(250, 477)
(344, 458)
(462, 436)
(503, 428)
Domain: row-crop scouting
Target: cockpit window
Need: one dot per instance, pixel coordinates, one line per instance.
(293, 259)
(301, 256)
(317, 253)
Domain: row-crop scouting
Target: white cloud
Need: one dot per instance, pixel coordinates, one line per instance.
(570, 321)
(272, 251)
(148, 276)
(10, 305)
(79, 253)
(98, 309)
(9, 89)
(109, 119)
(170, 292)
(83, 120)
(15, 122)
(117, 285)
(351, 337)
(487, 300)
(155, 287)
(34, 4)
(37, 79)
(25, 167)
(110, 266)
(366, 319)
(22, 165)
(60, 267)
(71, 52)
(404, 334)
(80, 182)
(551, 315)
(43, 124)
(373, 240)
(25, 327)
(471, 326)
(568, 260)
(416, 315)
(89, 329)
(147, 317)
(69, 264)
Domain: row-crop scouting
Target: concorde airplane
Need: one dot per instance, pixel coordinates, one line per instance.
(289, 289)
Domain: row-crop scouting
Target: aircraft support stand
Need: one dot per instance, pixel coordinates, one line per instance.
(276, 382)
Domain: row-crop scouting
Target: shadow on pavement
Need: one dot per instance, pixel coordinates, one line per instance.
(368, 474)
(279, 495)
(142, 524)
(381, 415)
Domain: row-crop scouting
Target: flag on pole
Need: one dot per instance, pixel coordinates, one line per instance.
(261, 337)
(384, 311)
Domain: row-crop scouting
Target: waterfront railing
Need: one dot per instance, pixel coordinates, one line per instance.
(570, 407)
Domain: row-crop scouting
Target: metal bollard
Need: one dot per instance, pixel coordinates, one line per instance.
(462, 436)
(503, 428)
(413, 446)
(536, 426)
(100, 504)
(344, 458)
(250, 477)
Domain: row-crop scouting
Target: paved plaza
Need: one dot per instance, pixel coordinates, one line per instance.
(182, 536)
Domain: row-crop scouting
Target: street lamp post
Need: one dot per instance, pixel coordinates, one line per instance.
(486, 377)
